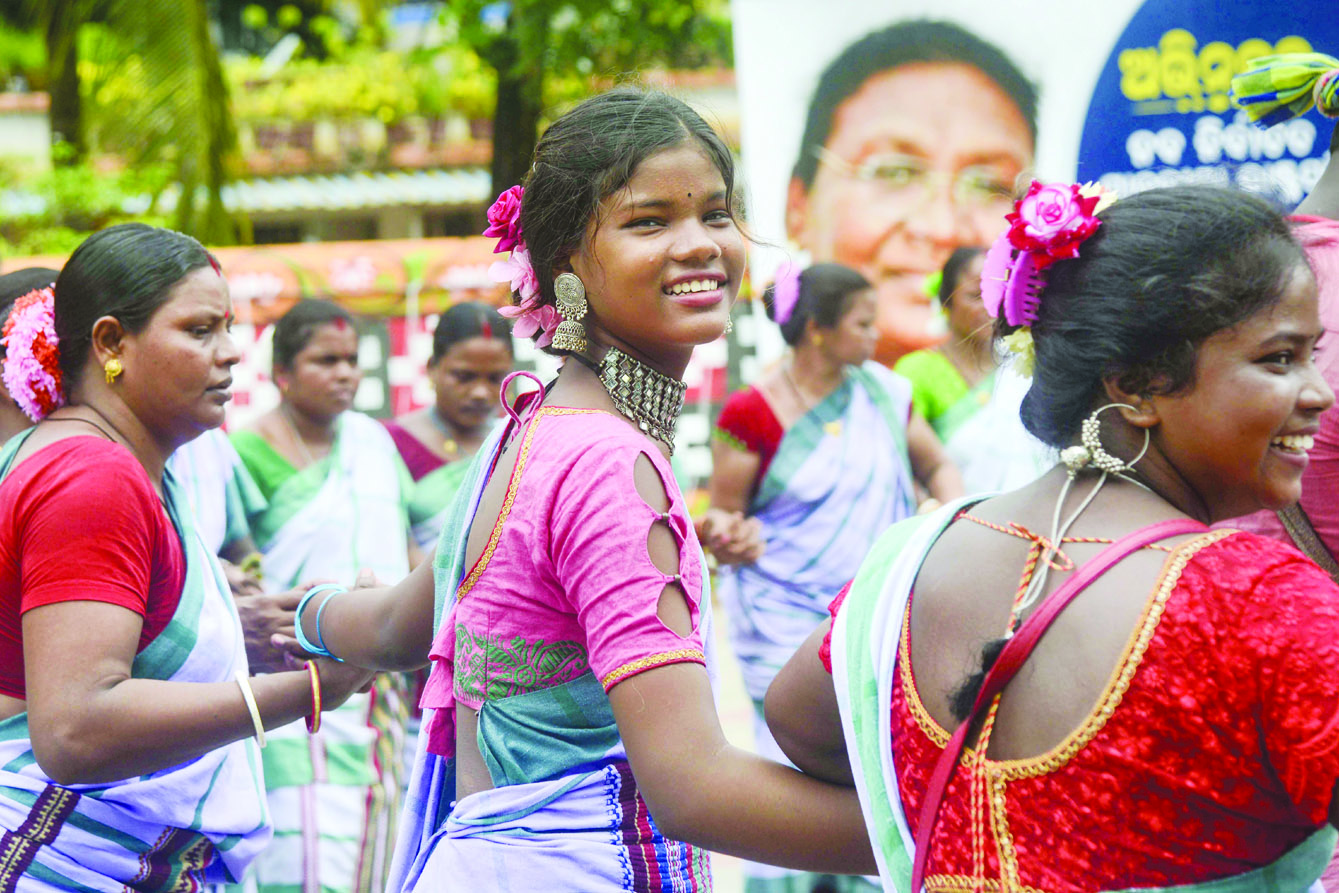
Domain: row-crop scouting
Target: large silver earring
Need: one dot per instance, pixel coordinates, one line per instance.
(1089, 453)
(1092, 452)
(570, 300)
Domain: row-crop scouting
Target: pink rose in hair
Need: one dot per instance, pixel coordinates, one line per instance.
(504, 220)
(533, 320)
(1051, 220)
(517, 272)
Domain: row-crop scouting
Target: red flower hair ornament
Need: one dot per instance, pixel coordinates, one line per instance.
(32, 355)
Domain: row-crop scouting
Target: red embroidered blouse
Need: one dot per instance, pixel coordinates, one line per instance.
(1213, 751)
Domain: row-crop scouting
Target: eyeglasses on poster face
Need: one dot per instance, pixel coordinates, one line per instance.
(908, 179)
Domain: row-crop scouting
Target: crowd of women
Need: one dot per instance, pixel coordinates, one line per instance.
(213, 649)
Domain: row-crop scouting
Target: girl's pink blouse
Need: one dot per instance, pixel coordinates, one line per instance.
(565, 584)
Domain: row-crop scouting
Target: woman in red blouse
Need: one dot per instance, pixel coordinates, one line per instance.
(1177, 725)
(125, 693)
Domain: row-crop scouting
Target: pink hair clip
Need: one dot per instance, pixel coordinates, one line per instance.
(785, 292)
(1011, 284)
(1047, 224)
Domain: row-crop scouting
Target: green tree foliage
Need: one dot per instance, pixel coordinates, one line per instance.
(182, 115)
(22, 55)
(533, 44)
(65, 204)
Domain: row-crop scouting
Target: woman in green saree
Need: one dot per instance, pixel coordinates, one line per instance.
(336, 494)
(969, 399)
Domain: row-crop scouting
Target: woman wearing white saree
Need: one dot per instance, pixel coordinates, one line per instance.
(336, 493)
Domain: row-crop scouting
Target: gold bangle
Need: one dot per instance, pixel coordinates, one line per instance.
(314, 721)
(250, 697)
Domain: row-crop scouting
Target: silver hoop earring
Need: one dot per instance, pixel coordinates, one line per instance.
(570, 302)
(1092, 452)
(1076, 458)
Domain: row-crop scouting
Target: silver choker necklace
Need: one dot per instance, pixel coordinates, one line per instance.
(649, 398)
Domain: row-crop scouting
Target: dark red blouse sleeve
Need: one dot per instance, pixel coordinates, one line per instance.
(748, 423)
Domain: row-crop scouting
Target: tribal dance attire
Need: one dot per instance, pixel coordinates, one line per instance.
(1207, 764)
(827, 487)
(81, 521)
(559, 608)
(335, 794)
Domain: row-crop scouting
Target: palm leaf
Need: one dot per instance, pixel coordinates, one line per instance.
(185, 113)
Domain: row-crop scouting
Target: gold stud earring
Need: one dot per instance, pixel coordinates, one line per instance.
(570, 301)
(111, 369)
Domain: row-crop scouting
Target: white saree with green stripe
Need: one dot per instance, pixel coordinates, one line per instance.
(335, 795)
(180, 828)
(865, 636)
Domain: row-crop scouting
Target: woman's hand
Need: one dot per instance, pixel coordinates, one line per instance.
(340, 681)
(726, 531)
(731, 537)
(267, 624)
(240, 580)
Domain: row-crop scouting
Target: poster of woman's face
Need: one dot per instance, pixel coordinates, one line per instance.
(884, 135)
(918, 157)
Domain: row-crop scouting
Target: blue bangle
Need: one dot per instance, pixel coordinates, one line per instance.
(320, 639)
(318, 647)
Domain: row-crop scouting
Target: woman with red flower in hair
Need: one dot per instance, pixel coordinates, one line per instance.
(1153, 707)
(125, 695)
